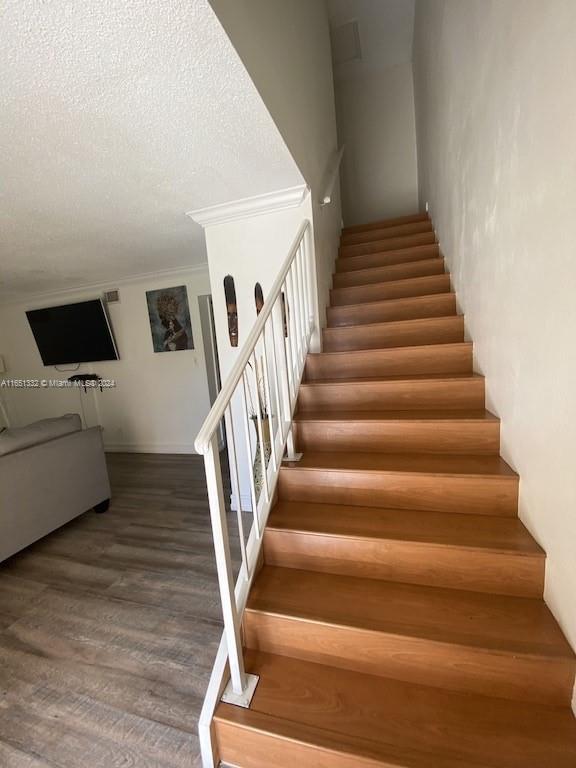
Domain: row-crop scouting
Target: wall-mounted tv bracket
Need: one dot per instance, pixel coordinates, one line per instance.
(84, 377)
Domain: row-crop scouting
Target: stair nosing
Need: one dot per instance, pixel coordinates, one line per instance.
(401, 298)
(432, 259)
(508, 477)
(487, 649)
(435, 318)
(347, 352)
(401, 280)
(387, 239)
(541, 555)
(487, 418)
(346, 382)
(489, 646)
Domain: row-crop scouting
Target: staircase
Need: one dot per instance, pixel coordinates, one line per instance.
(398, 619)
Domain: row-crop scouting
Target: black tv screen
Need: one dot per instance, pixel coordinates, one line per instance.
(73, 333)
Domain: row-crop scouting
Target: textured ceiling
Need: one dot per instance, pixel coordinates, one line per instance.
(118, 116)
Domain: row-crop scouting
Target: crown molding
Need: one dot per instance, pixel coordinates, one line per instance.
(250, 206)
(108, 284)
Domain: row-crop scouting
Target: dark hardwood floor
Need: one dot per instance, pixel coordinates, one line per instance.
(109, 627)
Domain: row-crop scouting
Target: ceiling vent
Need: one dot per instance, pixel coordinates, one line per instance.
(346, 42)
(112, 297)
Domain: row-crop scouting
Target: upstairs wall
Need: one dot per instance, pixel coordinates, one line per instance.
(375, 107)
(496, 111)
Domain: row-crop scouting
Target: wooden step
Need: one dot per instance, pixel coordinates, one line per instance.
(477, 485)
(392, 289)
(390, 244)
(383, 223)
(411, 308)
(399, 230)
(493, 645)
(470, 432)
(473, 552)
(399, 361)
(420, 268)
(401, 256)
(403, 333)
(319, 716)
(424, 392)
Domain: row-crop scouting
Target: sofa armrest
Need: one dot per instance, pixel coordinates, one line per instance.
(45, 486)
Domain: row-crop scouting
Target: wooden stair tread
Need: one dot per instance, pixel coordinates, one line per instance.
(415, 322)
(390, 302)
(407, 415)
(398, 378)
(345, 264)
(384, 223)
(408, 228)
(389, 272)
(395, 333)
(378, 722)
(496, 534)
(388, 244)
(430, 464)
(349, 354)
(426, 285)
(457, 617)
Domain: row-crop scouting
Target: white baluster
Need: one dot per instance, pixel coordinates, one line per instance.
(279, 342)
(244, 403)
(269, 400)
(224, 565)
(231, 439)
(286, 311)
(260, 431)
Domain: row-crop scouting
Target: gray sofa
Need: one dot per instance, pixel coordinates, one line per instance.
(50, 472)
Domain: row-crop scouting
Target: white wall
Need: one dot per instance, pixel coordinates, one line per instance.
(251, 250)
(285, 47)
(496, 110)
(160, 400)
(375, 106)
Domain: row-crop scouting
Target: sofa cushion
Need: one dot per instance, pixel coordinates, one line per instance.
(15, 439)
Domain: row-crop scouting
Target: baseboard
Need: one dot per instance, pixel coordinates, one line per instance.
(150, 448)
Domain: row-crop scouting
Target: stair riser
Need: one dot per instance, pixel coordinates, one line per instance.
(388, 258)
(421, 268)
(407, 562)
(394, 289)
(417, 660)
(402, 490)
(385, 223)
(254, 748)
(399, 436)
(390, 244)
(444, 358)
(404, 334)
(394, 395)
(400, 230)
(415, 308)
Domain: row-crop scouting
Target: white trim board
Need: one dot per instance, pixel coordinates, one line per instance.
(250, 206)
(182, 448)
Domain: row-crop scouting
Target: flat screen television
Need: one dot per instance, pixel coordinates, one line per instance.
(73, 333)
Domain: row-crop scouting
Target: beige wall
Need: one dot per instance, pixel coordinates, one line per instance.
(375, 107)
(160, 400)
(376, 123)
(285, 46)
(496, 120)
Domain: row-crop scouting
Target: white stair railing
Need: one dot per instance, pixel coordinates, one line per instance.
(262, 387)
